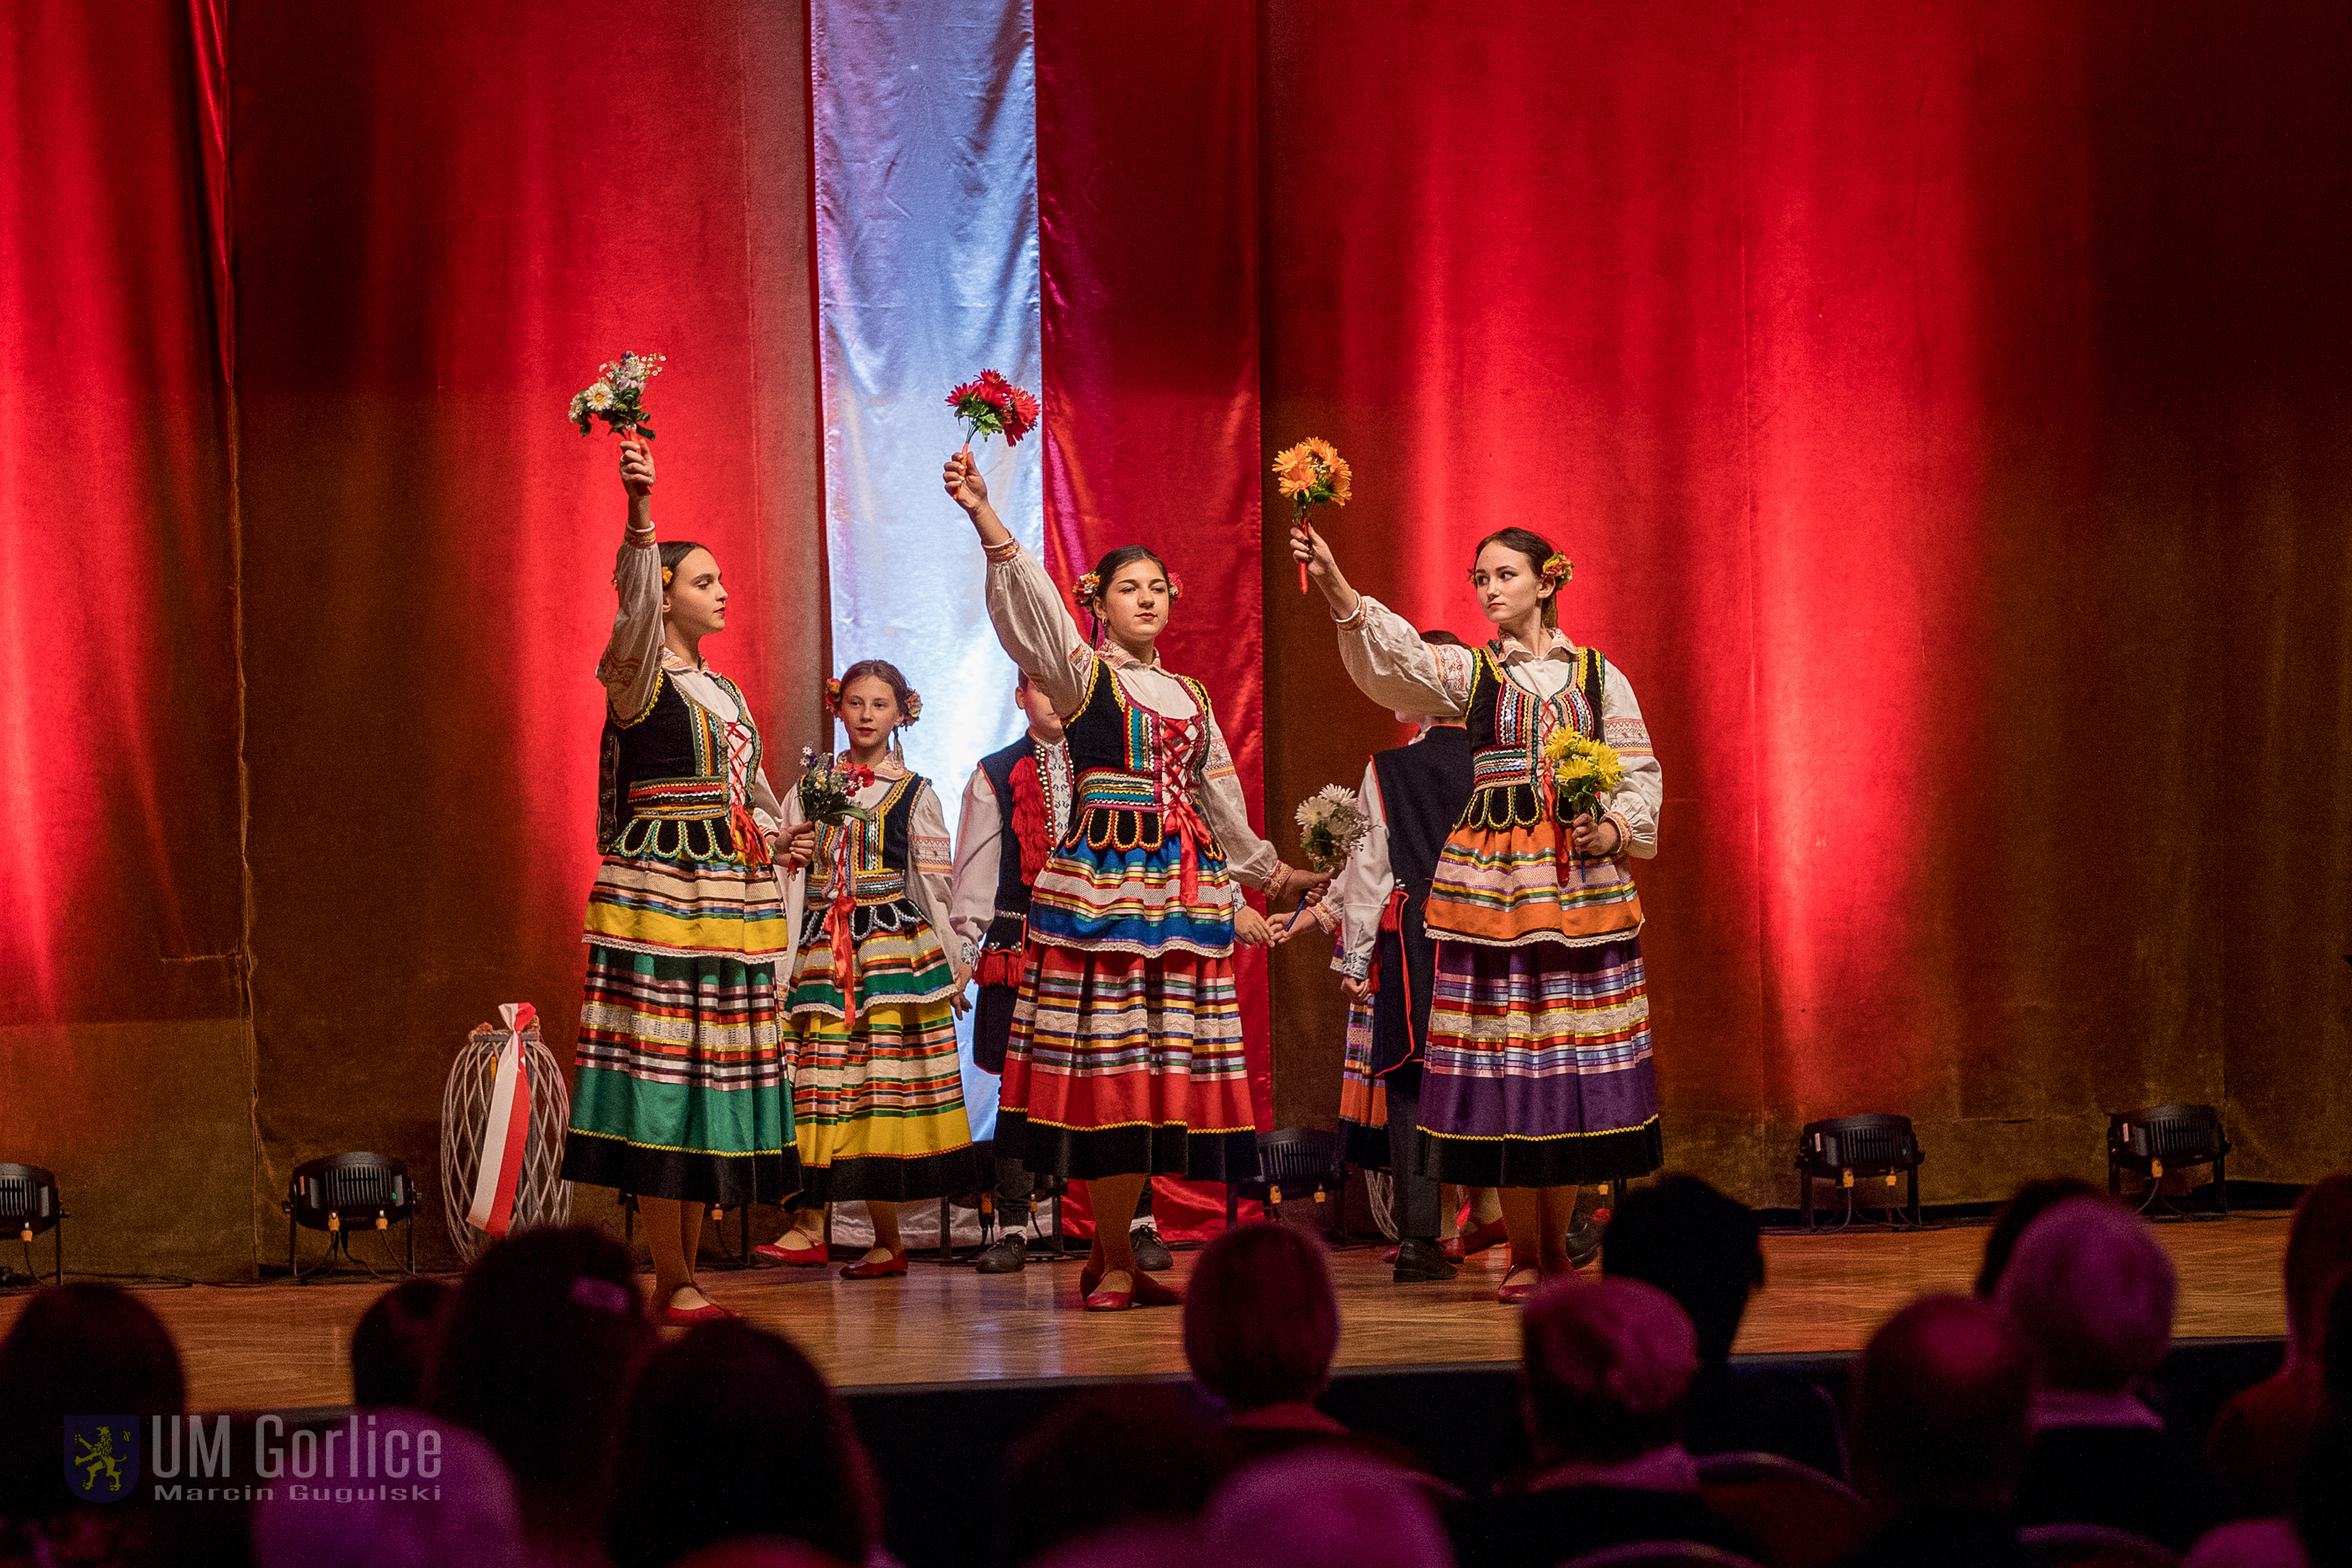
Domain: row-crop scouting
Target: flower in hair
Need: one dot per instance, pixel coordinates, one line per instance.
(1088, 587)
(832, 693)
(667, 574)
(913, 705)
(1175, 587)
(1557, 569)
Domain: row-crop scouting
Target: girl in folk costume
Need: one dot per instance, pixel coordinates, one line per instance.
(1539, 1075)
(679, 1096)
(877, 1093)
(1126, 1055)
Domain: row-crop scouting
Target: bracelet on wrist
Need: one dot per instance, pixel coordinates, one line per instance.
(1004, 552)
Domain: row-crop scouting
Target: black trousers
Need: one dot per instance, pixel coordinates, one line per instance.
(1016, 1191)
(1419, 1201)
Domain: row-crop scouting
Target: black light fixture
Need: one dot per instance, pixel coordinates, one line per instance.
(29, 1205)
(2160, 1137)
(1848, 1149)
(343, 1192)
(1301, 1158)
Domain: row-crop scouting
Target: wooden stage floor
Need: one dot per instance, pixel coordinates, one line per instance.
(284, 1345)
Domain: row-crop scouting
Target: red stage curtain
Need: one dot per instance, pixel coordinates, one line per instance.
(1147, 218)
(448, 216)
(1944, 407)
(122, 896)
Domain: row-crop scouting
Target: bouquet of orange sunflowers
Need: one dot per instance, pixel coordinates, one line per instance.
(1311, 474)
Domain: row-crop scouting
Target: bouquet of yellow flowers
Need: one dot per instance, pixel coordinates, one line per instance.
(1583, 771)
(1312, 474)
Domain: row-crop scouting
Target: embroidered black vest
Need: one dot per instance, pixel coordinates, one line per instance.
(1115, 751)
(662, 778)
(1010, 927)
(883, 858)
(1507, 735)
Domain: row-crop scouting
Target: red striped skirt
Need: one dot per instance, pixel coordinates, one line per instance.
(1121, 1063)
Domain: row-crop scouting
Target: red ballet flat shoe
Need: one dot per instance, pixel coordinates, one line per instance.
(793, 1257)
(708, 1313)
(1111, 1300)
(1150, 1292)
(1489, 1235)
(894, 1265)
(1510, 1293)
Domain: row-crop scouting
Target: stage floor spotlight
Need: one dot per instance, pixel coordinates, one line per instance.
(340, 1193)
(2156, 1137)
(1845, 1149)
(29, 1205)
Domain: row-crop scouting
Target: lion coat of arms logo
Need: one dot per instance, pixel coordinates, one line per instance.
(101, 1457)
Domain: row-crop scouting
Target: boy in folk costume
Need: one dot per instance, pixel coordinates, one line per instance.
(1413, 795)
(1017, 807)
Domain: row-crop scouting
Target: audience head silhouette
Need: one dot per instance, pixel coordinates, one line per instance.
(738, 1420)
(471, 1518)
(75, 1349)
(2318, 1260)
(538, 1355)
(1606, 1364)
(1940, 1405)
(1324, 1509)
(393, 1342)
(1111, 1457)
(1262, 1317)
(2025, 1205)
(1698, 1246)
(2094, 1291)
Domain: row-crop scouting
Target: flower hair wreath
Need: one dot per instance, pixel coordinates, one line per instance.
(1557, 569)
(1089, 588)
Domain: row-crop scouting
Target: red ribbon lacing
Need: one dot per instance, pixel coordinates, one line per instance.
(839, 920)
(1177, 810)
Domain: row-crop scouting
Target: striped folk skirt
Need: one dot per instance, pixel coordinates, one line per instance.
(1363, 1094)
(1121, 1063)
(680, 1087)
(1538, 1066)
(878, 1104)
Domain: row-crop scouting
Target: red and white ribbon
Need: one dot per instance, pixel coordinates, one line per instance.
(506, 1131)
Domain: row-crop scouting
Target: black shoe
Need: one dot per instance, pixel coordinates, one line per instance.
(1008, 1254)
(1421, 1262)
(1151, 1254)
(1583, 1240)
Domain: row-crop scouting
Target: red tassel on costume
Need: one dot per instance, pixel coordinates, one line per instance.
(1030, 829)
(748, 836)
(1002, 966)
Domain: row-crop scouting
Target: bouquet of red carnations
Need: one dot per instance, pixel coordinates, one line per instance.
(992, 406)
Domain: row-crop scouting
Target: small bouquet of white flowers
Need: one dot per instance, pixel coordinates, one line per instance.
(1332, 823)
(828, 790)
(617, 396)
